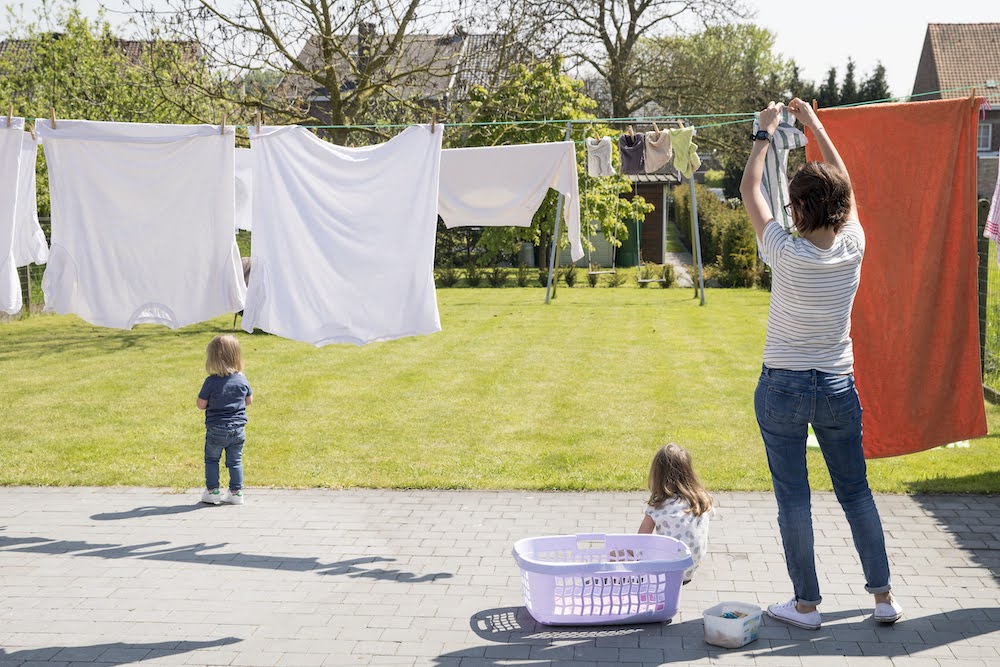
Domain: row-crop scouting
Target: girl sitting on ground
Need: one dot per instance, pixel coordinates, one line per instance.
(678, 504)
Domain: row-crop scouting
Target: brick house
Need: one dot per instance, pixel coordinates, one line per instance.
(962, 55)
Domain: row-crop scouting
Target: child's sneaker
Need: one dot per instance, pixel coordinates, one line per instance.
(234, 497)
(211, 497)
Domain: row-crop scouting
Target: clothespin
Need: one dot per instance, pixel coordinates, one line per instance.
(31, 128)
(815, 105)
(655, 129)
(434, 118)
(258, 122)
(10, 112)
(972, 101)
(631, 131)
(52, 116)
(222, 128)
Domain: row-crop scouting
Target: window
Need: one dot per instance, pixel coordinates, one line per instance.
(985, 138)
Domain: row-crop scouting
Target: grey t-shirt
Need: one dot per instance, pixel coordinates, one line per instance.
(227, 399)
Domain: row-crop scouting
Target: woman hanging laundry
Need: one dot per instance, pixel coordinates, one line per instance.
(808, 371)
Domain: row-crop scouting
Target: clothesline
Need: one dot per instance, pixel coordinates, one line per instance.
(742, 116)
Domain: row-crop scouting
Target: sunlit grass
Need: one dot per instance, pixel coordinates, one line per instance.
(512, 393)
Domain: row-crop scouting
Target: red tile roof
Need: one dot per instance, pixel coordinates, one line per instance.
(959, 55)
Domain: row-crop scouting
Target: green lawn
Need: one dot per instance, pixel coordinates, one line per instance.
(511, 394)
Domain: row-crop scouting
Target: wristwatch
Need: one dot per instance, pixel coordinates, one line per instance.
(760, 135)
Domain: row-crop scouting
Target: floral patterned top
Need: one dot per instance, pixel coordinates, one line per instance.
(673, 520)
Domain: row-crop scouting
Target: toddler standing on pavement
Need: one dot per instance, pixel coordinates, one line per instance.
(224, 397)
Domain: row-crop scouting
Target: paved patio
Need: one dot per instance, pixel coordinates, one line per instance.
(121, 576)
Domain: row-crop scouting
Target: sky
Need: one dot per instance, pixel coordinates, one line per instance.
(817, 35)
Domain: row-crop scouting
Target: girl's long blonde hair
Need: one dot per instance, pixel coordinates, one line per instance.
(672, 475)
(224, 356)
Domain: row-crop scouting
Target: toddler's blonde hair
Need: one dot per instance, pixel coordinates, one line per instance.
(671, 474)
(224, 356)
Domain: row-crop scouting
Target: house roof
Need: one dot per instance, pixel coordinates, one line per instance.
(133, 49)
(959, 55)
(431, 66)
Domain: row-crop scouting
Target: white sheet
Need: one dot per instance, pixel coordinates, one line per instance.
(496, 186)
(343, 238)
(30, 246)
(244, 189)
(142, 223)
(11, 140)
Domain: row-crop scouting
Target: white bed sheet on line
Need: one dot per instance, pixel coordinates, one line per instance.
(142, 223)
(343, 238)
(496, 186)
(11, 140)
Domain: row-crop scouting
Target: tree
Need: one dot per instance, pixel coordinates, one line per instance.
(544, 91)
(829, 92)
(875, 87)
(722, 69)
(606, 36)
(343, 63)
(849, 88)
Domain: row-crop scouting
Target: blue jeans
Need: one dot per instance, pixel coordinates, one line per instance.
(786, 402)
(228, 438)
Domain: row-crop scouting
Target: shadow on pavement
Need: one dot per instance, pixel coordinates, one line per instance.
(971, 521)
(151, 510)
(118, 653)
(519, 638)
(207, 554)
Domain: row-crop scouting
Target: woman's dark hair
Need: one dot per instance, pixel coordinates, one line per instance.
(821, 195)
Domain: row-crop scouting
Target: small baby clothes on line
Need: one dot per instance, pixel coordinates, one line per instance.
(632, 151)
(658, 151)
(774, 184)
(599, 157)
(11, 141)
(497, 186)
(992, 229)
(686, 158)
(30, 246)
(244, 189)
(142, 223)
(343, 238)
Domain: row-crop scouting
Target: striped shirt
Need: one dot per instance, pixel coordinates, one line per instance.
(812, 293)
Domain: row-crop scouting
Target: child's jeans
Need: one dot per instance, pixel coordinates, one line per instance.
(229, 438)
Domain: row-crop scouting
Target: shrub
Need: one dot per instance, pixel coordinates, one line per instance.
(647, 272)
(592, 278)
(522, 275)
(446, 276)
(667, 273)
(473, 275)
(496, 277)
(616, 279)
(569, 275)
(543, 277)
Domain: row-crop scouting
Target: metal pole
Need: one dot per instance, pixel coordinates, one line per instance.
(697, 241)
(550, 287)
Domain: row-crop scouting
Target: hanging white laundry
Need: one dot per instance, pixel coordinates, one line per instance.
(657, 151)
(11, 140)
(774, 184)
(497, 186)
(599, 157)
(244, 189)
(30, 246)
(343, 238)
(142, 223)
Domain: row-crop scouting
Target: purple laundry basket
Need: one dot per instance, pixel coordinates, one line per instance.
(601, 579)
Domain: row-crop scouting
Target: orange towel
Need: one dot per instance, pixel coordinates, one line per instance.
(915, 322)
